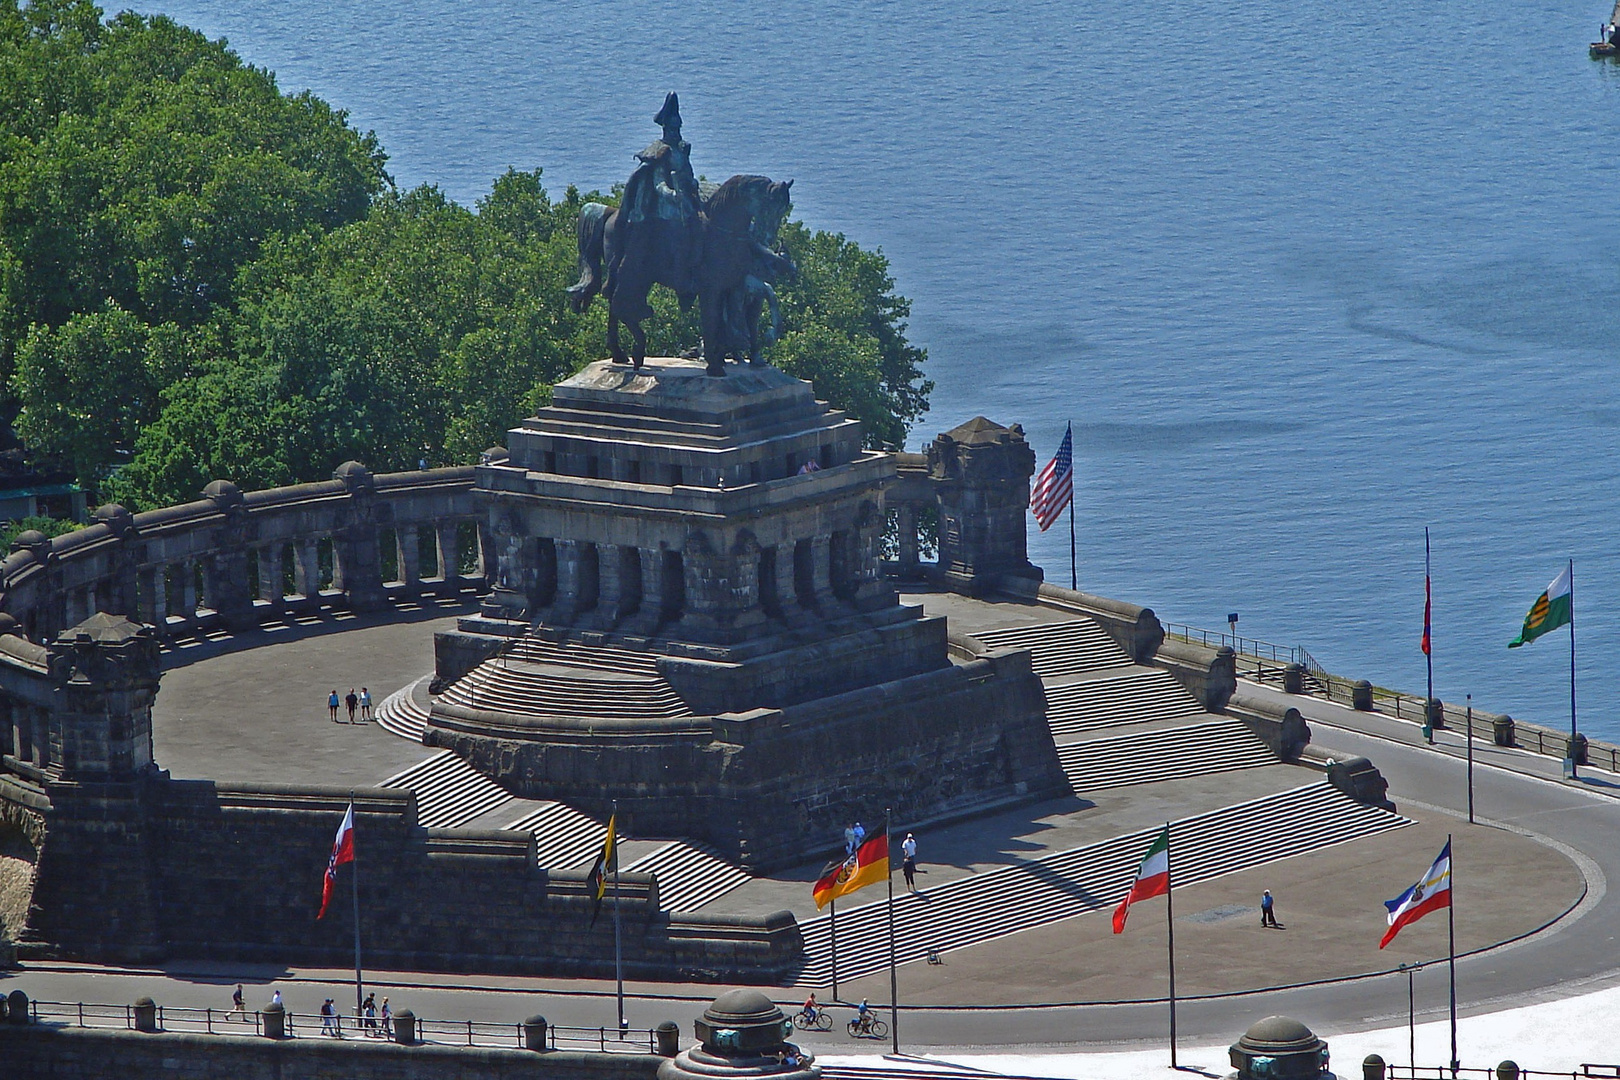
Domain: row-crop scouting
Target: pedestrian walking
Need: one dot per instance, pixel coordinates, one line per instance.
(1268, 910)
(329, 1024)
(238, 1006)
(365, 704)
(387, 1017)
(353, 702)
(369, 1011)
(860, 836)
(333, 703)
(275, 999)
(908, 862)
(849, 841)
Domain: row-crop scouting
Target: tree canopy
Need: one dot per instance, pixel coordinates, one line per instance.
(202, 277)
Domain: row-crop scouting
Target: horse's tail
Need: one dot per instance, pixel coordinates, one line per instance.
(592, 231)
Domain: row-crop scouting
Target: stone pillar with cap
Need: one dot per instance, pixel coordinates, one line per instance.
(741, 1034)
(105, 674)
(1279, 1048)
(226, 588)
(357, 568)
(981, 471)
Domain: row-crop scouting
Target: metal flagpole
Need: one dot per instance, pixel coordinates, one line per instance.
(618, 950)
(1428, 628)
(832, 922)
(1451, 939)
(1411, 1017)
(1170, 926)
(1074, 572)
(1572, 728)
(1470, 759)
(354, 882)
(894, 978)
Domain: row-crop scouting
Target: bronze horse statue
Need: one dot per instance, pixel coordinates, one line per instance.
(721, 256)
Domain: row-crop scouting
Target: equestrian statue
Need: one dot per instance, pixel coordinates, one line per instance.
(715, 247)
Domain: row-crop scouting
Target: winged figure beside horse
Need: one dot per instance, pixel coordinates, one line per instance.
(716, 247)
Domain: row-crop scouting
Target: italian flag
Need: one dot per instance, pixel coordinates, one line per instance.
(1552, 609)
(1152, 878)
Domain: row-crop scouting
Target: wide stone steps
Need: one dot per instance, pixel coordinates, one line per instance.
(1077, 707)
(564, 838)
(1165, 754)
(1065, 884)
(400, 714)
(449, 792)
(597, 657)
(527, 689)
(689, 875)
(1062, 648)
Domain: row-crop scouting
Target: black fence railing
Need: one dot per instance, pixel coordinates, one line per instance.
(1445, 1072)
(481, 1033)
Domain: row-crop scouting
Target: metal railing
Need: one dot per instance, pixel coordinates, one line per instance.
(478, 1033)
(1445, 1072)
(1245, 646)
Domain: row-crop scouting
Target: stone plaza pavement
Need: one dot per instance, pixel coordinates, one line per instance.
(259, 714)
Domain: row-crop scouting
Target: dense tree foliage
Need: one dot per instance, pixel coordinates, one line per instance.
(203, 277)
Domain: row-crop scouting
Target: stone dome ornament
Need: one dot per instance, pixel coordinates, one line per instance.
(742, 1034)
(1279, 1048)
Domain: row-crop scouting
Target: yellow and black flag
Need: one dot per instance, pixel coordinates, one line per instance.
(597, 882)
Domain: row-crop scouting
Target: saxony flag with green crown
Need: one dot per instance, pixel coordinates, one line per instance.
(1550, 611)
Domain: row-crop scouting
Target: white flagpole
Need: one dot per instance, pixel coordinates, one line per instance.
(1074, 572)
(354, 882)
(1572, 729)
(618, 950)
(1170, 927)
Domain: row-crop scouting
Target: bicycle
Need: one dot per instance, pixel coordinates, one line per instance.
(872, 1029)
(821, 1021)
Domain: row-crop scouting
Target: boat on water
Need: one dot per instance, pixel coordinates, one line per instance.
(1606, 45)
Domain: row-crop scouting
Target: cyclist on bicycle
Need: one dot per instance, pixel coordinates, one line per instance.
(809, 1011)
(863, 1016)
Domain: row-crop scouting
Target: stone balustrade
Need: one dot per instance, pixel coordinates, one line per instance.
(233, 559)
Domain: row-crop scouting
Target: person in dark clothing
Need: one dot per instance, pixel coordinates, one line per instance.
(353, 702)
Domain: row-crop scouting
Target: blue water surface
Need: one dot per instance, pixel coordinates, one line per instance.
(1306, 277)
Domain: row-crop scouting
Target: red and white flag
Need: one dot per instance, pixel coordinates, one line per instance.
(1431, 893)
(1054, 487)
(342, 852)
(1152, 878)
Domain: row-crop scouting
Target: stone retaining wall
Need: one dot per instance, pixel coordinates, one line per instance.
(156, 869)
(44, 1053)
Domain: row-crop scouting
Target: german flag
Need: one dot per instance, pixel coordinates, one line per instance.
(597, 882)
(868, 866)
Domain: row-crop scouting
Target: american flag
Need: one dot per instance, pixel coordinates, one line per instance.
(1054, 487)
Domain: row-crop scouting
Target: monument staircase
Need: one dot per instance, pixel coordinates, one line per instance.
(1065, 884)
(1091, 684)
(449, 792)
(521, 687)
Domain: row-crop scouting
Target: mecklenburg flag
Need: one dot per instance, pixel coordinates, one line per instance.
(1152, 878)
(1431, 893)
(869, 865)
(598, 879)
(342, 852)
(1551, 610)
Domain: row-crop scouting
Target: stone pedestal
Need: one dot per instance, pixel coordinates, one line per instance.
(1279, 1048)
(742, 1035)
(983, 472)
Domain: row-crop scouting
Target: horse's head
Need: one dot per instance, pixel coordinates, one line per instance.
(773, 202)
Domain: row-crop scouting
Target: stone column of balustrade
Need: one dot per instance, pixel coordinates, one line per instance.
(906, 524)
(408, 544)
(227, 590)
(188, 589)
(357, 567)
(449, 564)
(271, 575)
(307, 567)
(782, 598)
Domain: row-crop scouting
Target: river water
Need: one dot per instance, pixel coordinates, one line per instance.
(1305, 277)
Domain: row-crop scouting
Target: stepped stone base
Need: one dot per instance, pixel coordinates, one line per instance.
(722, 533)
